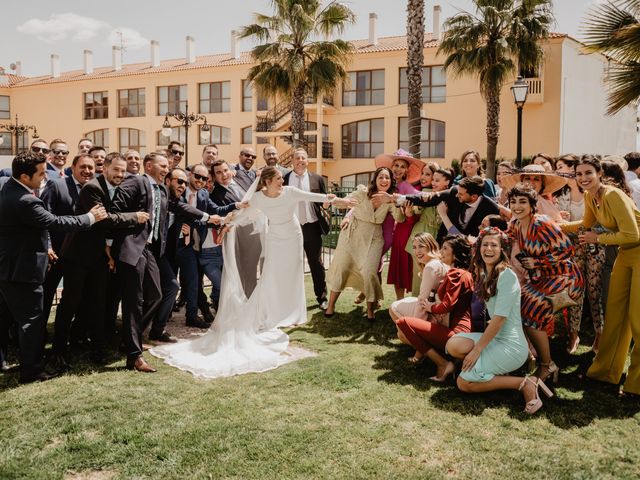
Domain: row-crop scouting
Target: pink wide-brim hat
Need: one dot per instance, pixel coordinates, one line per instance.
(415, 165)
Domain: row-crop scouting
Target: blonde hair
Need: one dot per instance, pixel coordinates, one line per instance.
(427, 241)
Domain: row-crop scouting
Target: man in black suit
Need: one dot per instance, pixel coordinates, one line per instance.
(24, 222)
(225, 192)
(135, 251)
(60, 197)
(85, 265)
(466, 205)
(312, 221)
(244, 176)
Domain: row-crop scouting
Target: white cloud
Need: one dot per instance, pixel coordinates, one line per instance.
(132, 39)
(61, 26)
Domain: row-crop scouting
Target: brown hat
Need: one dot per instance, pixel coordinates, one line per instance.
(415, 166)
(550, 181)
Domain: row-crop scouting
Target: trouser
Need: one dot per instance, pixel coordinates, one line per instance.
(312, 242)
(141, 295)
(169, 286)
(424, 335)
(210, 261)
(50, 286)
(24, 302)
(84, 291)
(591, 264)
(621, 324)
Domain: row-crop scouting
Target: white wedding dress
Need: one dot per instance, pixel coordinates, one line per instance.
(245, 336)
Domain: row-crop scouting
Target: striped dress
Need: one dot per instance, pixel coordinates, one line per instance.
(554, 271)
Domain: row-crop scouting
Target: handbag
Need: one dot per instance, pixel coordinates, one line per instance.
(560, 300)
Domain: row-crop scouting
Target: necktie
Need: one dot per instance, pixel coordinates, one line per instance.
(78, 186)
(302, 206)
(156, 210)
(192, 197)
(36, 192)
(61, 173)
(112, 192)
(463, 212)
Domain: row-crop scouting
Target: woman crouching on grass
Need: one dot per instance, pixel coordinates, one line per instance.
(502, 348)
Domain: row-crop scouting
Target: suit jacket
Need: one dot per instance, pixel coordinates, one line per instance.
(24, 222)
(243, 178)
(135, 194)
(485, 207)
(316, 185)
(60, 196)
(52, 172)
(205, 204)
(221, 196)
(87, 247)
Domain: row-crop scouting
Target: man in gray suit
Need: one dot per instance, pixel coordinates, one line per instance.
(24, 222)
(244, 176)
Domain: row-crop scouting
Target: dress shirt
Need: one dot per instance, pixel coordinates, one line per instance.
(305, 211)
(471, 209)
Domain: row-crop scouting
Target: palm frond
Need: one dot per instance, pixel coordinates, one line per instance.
(258, 32)
(602, 23)
(624, 84)
(334, 18)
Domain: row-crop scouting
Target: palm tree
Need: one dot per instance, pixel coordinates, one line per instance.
(415, 59)
(295, 57)
(502, 37)
(613, 29)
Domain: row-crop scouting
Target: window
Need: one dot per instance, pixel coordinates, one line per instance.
(99, 137)
(247, 135)
(216, 134)
(247, 97)
(310, 140)
(215, 97)
(131, 103)
(7, 144)
(4, 107)
(363, 88)
(96, 105)
(177, 135)
(132, 139)
(432, 133)
(434, 85)
(172, 99)
(352, 181)
(364, 139)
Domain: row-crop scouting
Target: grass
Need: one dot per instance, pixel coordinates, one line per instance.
(356, 410)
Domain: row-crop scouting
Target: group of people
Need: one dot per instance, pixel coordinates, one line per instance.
(482, 271)
(127, 233)
(499, 264)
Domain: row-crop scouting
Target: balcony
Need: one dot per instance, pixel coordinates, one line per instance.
(536, 90)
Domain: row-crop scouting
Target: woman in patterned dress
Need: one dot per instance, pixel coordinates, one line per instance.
(546, 253)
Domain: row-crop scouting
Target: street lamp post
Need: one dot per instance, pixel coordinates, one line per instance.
(16, 130)
(519, 89)
(186, 120)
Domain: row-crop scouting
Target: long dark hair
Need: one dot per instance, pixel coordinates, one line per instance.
(612, 174)
(267, 173)
(485, 286)
(373, 188)
(461, 250)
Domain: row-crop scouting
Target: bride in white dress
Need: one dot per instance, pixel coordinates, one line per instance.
(245, 336)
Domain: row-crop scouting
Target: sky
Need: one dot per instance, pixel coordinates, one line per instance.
(34, 29)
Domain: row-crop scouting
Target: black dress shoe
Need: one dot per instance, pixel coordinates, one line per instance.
(40, 377)
(208, 317)
(197, 324)
(59, 363)
(164, 337)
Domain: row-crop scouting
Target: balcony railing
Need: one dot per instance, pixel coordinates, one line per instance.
(536, 90)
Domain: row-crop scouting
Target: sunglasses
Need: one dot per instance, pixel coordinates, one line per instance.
(180, 181)
(204, 178)
(60, 152)
(177, 152)
(249, 155)
(40, 150)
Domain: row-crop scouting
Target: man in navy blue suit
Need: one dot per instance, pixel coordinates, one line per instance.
(198, 248)
(24, 222)
(57, 159)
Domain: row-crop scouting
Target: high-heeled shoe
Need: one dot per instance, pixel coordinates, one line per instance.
(533, 405)
(359, 299)
(531, 363)
(552, 371)
(449, 369)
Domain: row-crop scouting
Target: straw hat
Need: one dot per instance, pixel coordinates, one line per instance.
(415, 166)
(550, 181)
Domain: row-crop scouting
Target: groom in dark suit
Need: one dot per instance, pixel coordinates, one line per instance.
(466, 206)
(24, 222)
(135, 251)
(312, 221)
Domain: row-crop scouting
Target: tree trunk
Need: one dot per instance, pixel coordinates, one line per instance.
(415, 59)
(493, 129)
(297, 115)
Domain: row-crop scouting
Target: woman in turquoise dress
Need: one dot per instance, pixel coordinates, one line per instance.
(502, 348)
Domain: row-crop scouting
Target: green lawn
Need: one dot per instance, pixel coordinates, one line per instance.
(356, 410)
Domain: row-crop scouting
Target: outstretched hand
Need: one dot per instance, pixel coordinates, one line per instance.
(99, 212)
(346, 202)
